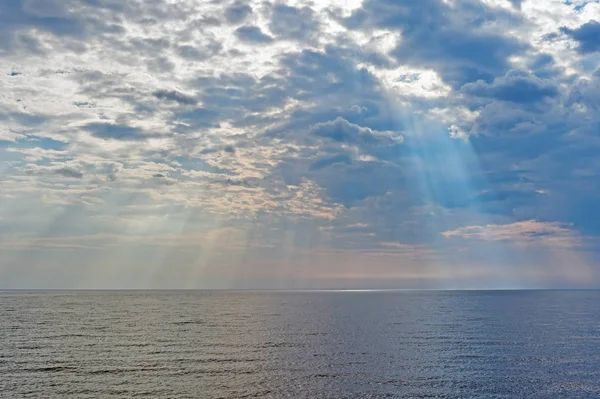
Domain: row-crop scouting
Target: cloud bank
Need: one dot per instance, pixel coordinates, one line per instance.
(298, 144)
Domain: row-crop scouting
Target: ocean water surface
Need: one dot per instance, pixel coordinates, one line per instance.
(236, 344)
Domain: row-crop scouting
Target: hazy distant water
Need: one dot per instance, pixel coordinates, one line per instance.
(527, 344)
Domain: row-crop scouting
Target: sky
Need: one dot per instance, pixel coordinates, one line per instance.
(301, 144)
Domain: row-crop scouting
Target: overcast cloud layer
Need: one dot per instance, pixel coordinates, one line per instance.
(324, 144)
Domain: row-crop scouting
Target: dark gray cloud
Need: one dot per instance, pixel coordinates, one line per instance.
(162, 180)
(197, 117)
(587, 36)
(116, 132)
(173, 95)
(25, 119)
(69, 172)
(252, 34)
(232, 92)
(515, 86)
(293, 23)
(516, 3)
(65, 171)
(112, 171)
(587, 92)
(54, 17)
(160, 64)
(98, 85)
(323, 162)
(237, 13)
(201, 52)
(342, 131)
(450, 38)
(329, 79)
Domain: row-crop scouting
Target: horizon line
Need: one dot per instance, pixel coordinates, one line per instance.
(349, 290)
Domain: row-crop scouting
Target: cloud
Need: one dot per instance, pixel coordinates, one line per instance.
(65, 171)
(237, 13)
(293, 23)
(586, 92)
(52, 17)
(229, 148)
(453, 39)
(108, 131)
(326, 161)
(197, 117)
(161, 179)
(515, 86)
(204, 51)
(516, 3)
(520, 233)
(252, 34)
(173, 95)
(69, 172)
(367, 126)
(587, 36)
(342, 131)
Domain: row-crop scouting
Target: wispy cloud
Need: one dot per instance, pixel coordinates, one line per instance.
(520, 233)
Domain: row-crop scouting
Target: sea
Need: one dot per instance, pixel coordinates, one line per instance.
(300, 344)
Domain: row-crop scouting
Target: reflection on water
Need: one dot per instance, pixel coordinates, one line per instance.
(189, 344)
